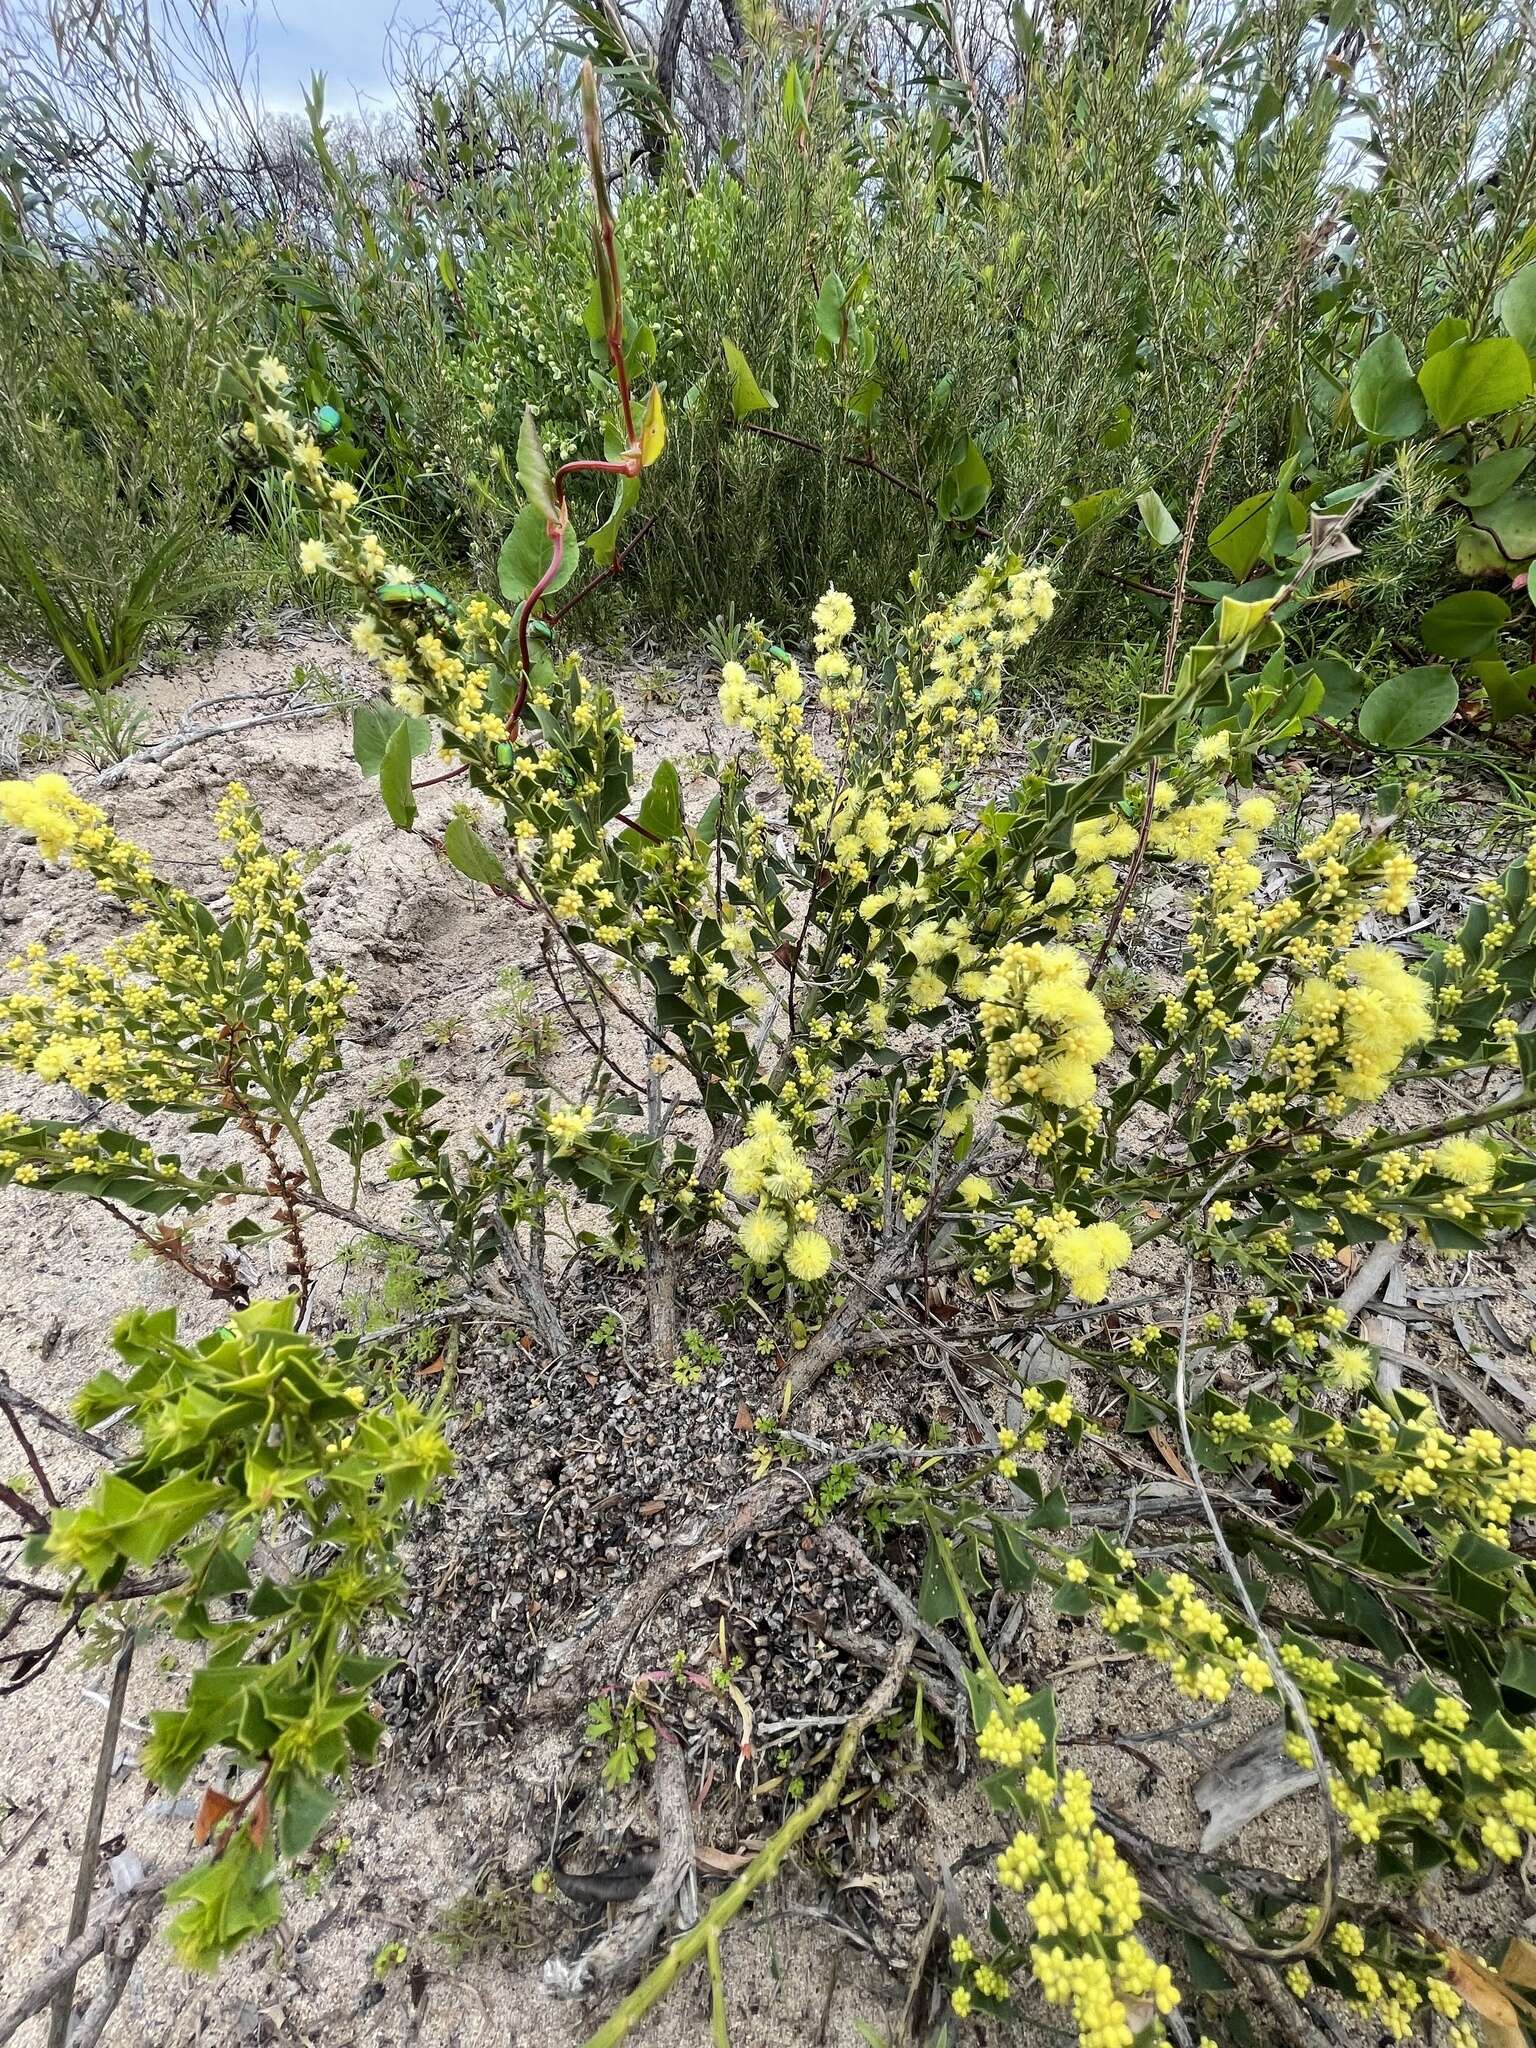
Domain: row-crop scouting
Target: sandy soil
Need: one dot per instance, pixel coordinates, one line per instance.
(461, 1799)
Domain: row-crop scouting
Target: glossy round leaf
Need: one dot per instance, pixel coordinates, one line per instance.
(1383, 395)
(1464, 625)
(1475, 380)
(1408, 707)
(1511, 522)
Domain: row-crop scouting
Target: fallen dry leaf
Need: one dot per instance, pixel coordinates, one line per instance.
(1519, 1963)
(1168, 1454)
(1487, 1996)
(723, 1862)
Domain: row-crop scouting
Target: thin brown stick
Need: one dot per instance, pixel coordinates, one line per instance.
(614, 568)
(283, 1184)
(764, 1866)
(46, 1419)
(29, 1452)
(90, 1846)
(223, 1282)
(835, 1537)
(1327, 1905)
(20, 1506)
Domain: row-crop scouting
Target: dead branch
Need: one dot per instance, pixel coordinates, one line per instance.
(24, 1404)
(120, 1952)
(162, 750)
(90, 1848)
(619, 1956)
(145, 1897)
(1327, 1906)
(870, 1650)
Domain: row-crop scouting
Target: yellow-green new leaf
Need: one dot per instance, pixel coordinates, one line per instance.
(747, 395)
(1237, 618)
(653, 429)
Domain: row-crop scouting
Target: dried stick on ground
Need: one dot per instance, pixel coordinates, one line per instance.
(162, 750)
(618, 1958)
(142, 1900)
(702, 1939)
(573, 1670)
(870, 1650)
(121, 1950)
(847, 1545)
(90, 1847)
(1322, 1919)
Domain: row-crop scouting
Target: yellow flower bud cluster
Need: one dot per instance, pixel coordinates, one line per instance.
(767, 1168)
(44, 1153)
(1388, 1977)
(1407, 1463)
(163, 1018)
(1474, 1795)
(901, 765)
(1083, 1901)
(1057, 1241)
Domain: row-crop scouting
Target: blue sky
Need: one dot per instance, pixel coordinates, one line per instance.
(342, 38)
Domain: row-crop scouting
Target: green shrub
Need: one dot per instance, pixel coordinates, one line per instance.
(115, 487)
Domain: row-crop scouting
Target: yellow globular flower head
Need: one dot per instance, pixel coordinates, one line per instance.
(767, 1167)
(1045, 1029)
(833, 617)
(763, 1236)
(1193, 832)
(735, 693)
(48, 809)
(1086, 1255)
(1357, 1026)
(1463, 1160)
(808, 1256)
